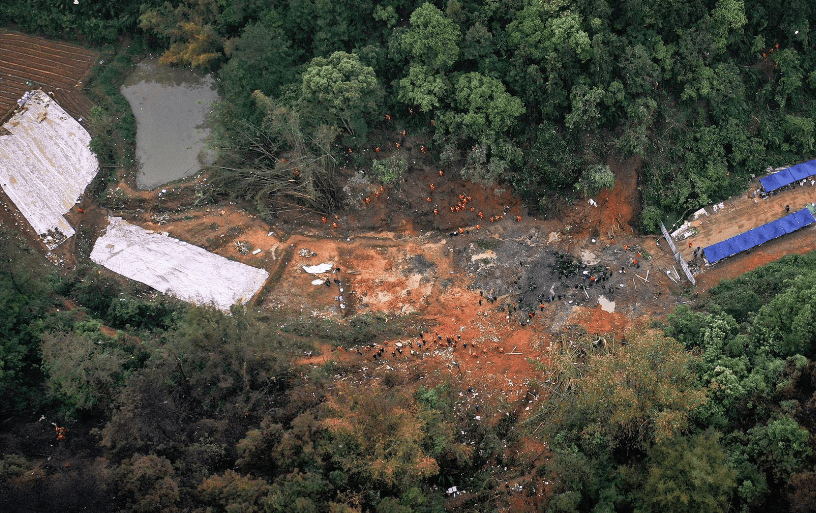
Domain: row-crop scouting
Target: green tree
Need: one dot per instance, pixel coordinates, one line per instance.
(788, 322)
(231, 492)
(343, 89)
(483, 111)
(486, 111)
(689, 474)
(147, 484)
(630, 395)
(191, 30)
(25, 296)
(541, 28)
(727, 17)
(84, 369)
(780, 447)
(262, 58)
(432, 39)
(586, 107)
(379, 438)
(422, 87)
(594, 179)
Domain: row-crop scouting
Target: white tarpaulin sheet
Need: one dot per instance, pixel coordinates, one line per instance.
(176, 267)
(318, 269)
(45, 163)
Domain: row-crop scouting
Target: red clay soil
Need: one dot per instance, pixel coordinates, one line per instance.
(599, 322)
(616, 211)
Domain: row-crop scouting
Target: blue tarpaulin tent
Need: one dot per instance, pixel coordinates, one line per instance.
(800, 171)
(788, 176)
(758, 235)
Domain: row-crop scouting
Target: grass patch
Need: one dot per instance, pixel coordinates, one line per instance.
(364, 329)
(487, 243)
(111, 122)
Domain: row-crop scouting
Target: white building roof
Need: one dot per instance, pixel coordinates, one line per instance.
(176, 267)
(45, 163)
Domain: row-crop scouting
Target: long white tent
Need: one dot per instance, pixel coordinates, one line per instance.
(176, 267)
(45, 164)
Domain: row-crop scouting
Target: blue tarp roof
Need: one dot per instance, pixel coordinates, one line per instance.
(788, 176)
(801, 171)
(758, 235)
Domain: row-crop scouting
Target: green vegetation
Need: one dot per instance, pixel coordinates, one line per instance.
(534, 94)
(711, 415)
(195, 408)
(179, 408)
(538, 95)
(200, 409)
(111, 121)
(389, 170)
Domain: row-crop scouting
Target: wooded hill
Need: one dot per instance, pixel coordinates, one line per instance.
(527, 92)
(178, 408)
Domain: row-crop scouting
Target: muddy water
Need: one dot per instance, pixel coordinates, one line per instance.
(169, 105)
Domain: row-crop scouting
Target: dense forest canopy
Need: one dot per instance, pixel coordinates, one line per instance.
(532, 93)
(180, 408)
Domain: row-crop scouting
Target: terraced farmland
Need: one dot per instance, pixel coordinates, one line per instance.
(28, 62)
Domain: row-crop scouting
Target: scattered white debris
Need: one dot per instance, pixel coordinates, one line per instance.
(45, 164)
(318, 269)
(676, 234)
(176, 267)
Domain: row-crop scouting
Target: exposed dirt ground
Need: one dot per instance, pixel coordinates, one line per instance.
(499, 292)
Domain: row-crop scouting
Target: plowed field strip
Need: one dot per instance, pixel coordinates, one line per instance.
(51, 47)
(76, 105)
(75, 60)
(53, 66)
(74, 69)
(36, 75)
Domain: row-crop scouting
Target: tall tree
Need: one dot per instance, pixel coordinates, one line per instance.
(343, 88)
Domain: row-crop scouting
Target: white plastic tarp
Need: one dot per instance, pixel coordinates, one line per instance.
(318, 269)
(45, 163)
(176, 267)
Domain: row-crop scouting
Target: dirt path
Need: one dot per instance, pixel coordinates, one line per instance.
(745, 212)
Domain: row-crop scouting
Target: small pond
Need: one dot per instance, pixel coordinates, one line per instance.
(170, 105)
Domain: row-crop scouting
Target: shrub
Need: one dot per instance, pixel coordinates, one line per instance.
(389, 170)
